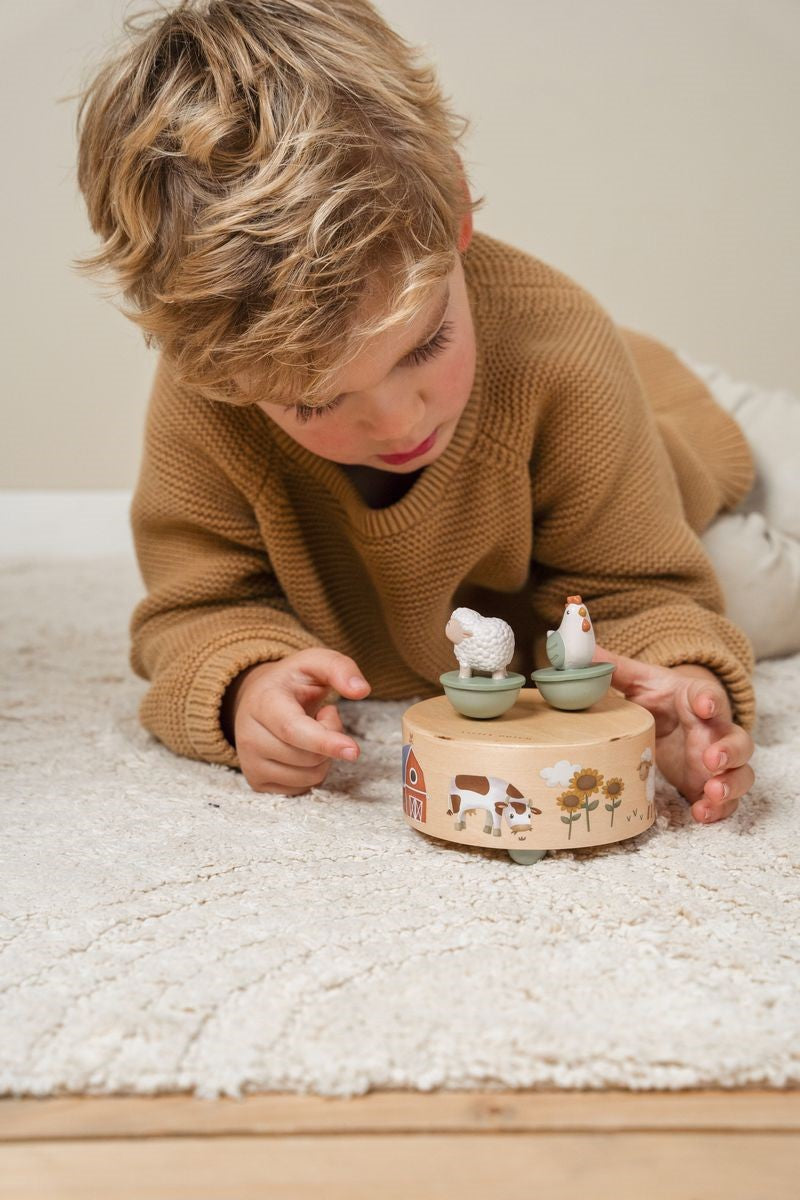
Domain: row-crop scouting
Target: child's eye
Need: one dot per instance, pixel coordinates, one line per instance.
(431, 348)
(304, 412)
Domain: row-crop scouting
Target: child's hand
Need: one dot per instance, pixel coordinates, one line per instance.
(694, 728)
(284, 740)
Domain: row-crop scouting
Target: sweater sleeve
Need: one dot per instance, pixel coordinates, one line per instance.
(213, 605)
(609, 523)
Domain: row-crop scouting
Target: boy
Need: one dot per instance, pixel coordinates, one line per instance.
(365, 414)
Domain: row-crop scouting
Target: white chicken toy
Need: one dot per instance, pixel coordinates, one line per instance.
(572, 644)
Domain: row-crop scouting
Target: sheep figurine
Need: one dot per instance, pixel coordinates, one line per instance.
(480, 643)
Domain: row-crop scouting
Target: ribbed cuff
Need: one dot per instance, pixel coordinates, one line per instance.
(213, 676)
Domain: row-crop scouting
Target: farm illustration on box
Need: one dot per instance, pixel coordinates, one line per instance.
(499, 799)
(497, 764)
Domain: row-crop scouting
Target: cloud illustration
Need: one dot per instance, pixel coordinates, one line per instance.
(560, 774)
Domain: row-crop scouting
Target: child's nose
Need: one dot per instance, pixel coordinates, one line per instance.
(396, 419)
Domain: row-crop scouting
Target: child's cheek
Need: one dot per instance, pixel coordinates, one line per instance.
(457, 375)
(336, 442)
(326, 438)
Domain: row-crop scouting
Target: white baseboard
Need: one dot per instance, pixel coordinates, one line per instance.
(65, 524)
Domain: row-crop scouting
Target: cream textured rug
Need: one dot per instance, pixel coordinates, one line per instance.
(165, 928)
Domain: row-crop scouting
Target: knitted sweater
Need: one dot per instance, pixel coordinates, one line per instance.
(586, 460)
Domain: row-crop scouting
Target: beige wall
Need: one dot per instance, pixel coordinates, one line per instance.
(645, 147)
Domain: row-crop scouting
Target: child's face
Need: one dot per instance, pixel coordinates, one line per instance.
(383, 403)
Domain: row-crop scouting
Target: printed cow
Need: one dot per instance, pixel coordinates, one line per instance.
(496, 797)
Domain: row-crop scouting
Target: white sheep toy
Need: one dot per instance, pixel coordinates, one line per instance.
(480, 643)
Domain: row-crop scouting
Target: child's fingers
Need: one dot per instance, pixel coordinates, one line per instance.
(731, 785)
(329, 716)
(722, 793)
(273, 765)
(707, 813)
(332, 667)
(303, 732)
(707, 699)
(734, 750)
(257, 745)
(272, 776)
(290, 735)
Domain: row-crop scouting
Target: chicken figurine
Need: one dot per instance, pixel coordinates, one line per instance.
(572, 644)
(573, 681)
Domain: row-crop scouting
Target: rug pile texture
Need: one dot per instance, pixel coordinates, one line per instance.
(163, 927)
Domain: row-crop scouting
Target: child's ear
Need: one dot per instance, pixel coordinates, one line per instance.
(465, 232)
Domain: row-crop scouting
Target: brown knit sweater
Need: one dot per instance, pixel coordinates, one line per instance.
(586, 461)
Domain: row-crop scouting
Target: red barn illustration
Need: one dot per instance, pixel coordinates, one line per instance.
(415, 797)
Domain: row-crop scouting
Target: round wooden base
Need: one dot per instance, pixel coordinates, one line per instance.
(533, 779)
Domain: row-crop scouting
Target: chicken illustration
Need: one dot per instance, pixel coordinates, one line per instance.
(572, 644)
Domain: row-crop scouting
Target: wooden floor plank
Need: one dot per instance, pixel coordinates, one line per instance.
(277, 1114)
(600, 1166)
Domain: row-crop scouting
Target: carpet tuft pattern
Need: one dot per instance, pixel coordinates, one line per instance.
(165, 928)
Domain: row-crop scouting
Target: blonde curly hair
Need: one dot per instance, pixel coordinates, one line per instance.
(257, 169)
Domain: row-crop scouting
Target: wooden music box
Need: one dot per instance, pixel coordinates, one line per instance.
(524, 770)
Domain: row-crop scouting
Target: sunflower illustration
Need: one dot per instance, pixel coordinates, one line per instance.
(586, 781)
(613, 790)
(570, 804)
(569, 801)
(583, 784)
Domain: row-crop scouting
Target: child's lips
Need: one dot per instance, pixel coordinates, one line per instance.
(423, 448)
